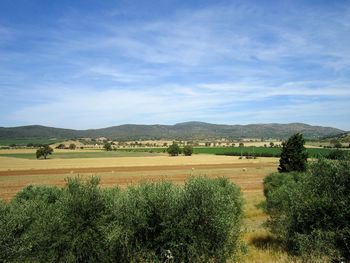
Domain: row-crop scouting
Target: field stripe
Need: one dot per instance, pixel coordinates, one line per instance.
(134, 168)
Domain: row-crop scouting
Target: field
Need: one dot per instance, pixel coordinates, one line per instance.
(131, 167)
(237, 151)
(24, 142)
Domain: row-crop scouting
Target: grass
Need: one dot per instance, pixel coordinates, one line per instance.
(236, 151)
(24, 142)
(81, 154)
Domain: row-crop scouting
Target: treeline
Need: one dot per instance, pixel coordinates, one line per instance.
(150, 222)
(310, 211)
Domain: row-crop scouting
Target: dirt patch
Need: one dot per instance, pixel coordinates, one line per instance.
(249, 176)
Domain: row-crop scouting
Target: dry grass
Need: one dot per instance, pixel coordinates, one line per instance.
(262, 246)
(7, 163)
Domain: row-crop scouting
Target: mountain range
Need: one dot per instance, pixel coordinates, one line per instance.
(180, 131)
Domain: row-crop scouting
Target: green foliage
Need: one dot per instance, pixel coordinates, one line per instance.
(310, 212)
(174, 149)
(293, 155)
(72, 146)
(60, 146)
(337, 155)
(44, 152)
(108, 146)
(188, 150)
(152, 222)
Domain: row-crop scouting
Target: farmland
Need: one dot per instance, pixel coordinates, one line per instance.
(19, 168)
(16, 173)
(237, 151)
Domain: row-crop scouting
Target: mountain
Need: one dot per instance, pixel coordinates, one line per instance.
(180, 131)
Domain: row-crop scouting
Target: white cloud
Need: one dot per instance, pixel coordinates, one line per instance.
(220, 64)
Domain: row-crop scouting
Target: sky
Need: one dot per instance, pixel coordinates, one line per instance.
(93, 64)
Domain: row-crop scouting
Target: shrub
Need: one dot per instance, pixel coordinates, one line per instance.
(72, 146)
(174, 149)
(337, 155)
(151, 222)
(310, 212)
(108, 146)
(188, 150)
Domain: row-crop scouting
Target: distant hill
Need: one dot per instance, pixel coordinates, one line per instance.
(180, 131)
(343, 137)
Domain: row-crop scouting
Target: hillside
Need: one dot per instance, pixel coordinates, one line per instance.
(343, 137)
(183, 131)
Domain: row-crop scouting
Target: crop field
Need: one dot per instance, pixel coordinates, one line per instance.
(71, 154)
(24, 142)
(237, 151)
(16, 173)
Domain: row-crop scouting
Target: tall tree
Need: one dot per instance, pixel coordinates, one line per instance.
(293, 155)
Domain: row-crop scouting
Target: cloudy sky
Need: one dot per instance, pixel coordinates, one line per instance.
(92, 64)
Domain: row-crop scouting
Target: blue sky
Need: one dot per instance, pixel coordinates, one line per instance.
(92, 64)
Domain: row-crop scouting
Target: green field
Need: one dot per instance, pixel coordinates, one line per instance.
(24, 142)
(258, 151)
(237, 151)
(74, 154)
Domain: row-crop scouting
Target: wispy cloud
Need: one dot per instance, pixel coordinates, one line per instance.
(228, 63)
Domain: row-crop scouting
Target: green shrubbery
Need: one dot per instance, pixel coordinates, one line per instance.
(310, 212)
(151, 222)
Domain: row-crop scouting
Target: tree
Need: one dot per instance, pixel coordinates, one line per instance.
(108, 146)
(44, 151)
(72, 146)
(338, 145)
(188, 150)
(293, 155)
(174, 149)
(271, 144)
(60, 146)
(309, 212)
(241, 144)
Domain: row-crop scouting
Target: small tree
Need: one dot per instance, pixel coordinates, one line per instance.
(72, 146)
(174, 149)
(241, 144)
(108, 146)
(188, 150)
(338, 145)
(44, 151)
(60, 146)
(293, 155)
(271, 144)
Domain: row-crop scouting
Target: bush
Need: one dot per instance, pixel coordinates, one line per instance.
(337, 155)
(174, 150)
(310, 212)
(188, 150)
(108, 146)
(151, 222)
